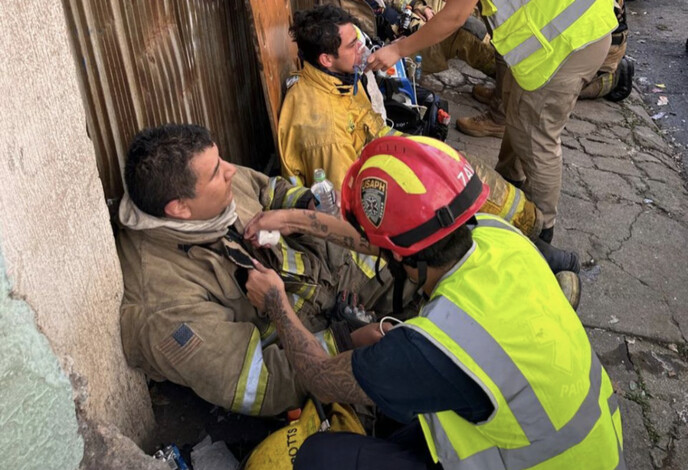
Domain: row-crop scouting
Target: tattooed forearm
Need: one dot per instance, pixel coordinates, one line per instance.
(337, 231)
(330, 379)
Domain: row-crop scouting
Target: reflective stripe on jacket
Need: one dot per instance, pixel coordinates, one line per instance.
(536, 36)
(500, 315)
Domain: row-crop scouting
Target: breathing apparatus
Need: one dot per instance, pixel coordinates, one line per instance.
(363, 52)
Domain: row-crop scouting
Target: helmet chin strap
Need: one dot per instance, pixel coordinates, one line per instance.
(400, 276)
(422, 273)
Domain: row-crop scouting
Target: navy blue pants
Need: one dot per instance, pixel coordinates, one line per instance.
(404, 450)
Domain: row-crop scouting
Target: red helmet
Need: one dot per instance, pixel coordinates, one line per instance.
(406, 193)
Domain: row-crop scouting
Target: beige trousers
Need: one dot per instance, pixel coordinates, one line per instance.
(605, 81)
(531, 148)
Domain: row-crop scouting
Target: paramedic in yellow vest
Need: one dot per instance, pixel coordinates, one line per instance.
(552, 50)
(495, 373)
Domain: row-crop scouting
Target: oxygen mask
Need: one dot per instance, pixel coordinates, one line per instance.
(363, 52)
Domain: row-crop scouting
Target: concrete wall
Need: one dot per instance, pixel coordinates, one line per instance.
(36, 404)
(59, 250)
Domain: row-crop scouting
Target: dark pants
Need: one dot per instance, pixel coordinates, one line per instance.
(403, 450)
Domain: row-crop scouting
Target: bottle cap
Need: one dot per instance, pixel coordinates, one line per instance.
(419, 58)
(319, 175)
(293, 415)
(391, 71)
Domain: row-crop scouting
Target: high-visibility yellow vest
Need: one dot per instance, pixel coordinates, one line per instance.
(500, 316)
(536, 36)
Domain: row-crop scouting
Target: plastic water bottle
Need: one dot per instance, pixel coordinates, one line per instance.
(416, 73)
(406, 18)
(323, 190)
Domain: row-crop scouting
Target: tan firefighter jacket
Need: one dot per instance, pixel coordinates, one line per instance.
(185, 316)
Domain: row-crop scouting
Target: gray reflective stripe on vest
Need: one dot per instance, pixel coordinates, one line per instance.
(505, 9)
(497, 224)
(495, 362)
(529, 456)
(514, 206)
(550, 31)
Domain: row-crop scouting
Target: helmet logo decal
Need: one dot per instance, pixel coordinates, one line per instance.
(373, 199)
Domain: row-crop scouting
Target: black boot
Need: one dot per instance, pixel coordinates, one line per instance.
(547, 234)
(558, 259)
(623, 88)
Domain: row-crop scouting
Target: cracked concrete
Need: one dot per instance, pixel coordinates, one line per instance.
(624, 209)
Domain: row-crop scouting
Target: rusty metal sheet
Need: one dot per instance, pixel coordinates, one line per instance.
(277, 53)
(148, 62)
(359, 9)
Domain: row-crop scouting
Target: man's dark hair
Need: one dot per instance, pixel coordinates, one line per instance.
(316, 31)
(157, 168)
(445, 252)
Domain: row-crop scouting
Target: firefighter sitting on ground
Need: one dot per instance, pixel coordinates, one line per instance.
(185, 316)
(325, 121)
(496, 372)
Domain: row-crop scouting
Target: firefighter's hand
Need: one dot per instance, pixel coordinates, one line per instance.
(384, 57)
(268, 220)
(428, 13)
(369, 334)
(264, 283)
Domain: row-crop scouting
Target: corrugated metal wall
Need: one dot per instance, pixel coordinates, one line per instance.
(148, 62)
(303, 4)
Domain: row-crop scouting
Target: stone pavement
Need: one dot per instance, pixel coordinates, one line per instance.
(624, 208)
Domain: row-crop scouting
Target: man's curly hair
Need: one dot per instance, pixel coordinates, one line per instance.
(316, 31)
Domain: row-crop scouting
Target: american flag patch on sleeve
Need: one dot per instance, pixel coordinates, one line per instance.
(180, 344)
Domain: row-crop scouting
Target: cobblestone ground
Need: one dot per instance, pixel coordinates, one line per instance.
(624, 209)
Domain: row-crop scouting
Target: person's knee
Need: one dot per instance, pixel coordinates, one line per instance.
(314, 453)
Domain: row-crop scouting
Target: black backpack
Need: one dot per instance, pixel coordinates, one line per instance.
(407, 119)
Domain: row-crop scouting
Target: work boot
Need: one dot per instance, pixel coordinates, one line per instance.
(483, 93)
(624, 86)
(481, 125)
(547, 234)
(570, 285)
(558, 259)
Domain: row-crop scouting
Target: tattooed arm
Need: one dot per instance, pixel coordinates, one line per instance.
(312, 223)
(330, 379)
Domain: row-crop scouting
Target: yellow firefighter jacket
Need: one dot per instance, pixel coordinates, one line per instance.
(322, 124)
